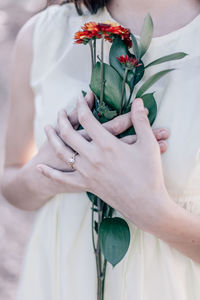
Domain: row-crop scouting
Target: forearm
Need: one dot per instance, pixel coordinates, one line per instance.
(25, 187)
(181, 230)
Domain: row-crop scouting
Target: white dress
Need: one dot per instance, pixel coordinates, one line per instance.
(60, 263)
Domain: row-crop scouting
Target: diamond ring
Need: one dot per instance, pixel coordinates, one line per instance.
(71, 161)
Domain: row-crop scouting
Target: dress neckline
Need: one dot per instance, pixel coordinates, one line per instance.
(167, 36)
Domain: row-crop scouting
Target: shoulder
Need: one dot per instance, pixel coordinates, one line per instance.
(50, 17)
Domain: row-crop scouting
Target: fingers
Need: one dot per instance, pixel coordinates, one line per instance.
(115, 127)
(62, 152)
(163, 146)
(72, 180)
(119, 124)
(92, 126)
(73, 117)
(161, 134)
(131, 139)
(70, 136)
(141, 122)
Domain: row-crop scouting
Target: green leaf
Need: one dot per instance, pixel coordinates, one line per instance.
(105, 112)
(135, 76)
(112, 87)
(114, 236)
(84, 93)
(151, 105)
(109, 115)
(136, 50)
(92, 198)
(146, 35)
(174, 56)
(118, 48)
(152, 80)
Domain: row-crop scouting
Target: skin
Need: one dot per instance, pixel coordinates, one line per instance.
(25, 169)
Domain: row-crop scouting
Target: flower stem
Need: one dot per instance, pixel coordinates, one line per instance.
(93, 225)
(104, 277)
(98, 252)
(92, 53)
(102, 70)
(123, 89)
(95, 51)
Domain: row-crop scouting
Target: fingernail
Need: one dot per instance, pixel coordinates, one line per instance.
(159, 135)
(39, 168)
(139, 105)
(163, 133)
(162, 144)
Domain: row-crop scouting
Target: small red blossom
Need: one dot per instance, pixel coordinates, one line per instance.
(129, 62)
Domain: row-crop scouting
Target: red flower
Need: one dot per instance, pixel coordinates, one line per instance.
(83, 37)
(94, 30)
(129, 62)
(111, 30)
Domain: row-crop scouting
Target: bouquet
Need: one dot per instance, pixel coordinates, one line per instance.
(114, 87)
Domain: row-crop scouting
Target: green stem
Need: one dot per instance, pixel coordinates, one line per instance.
(95, 51)
(123, 89)
(102, 70)
(92, 53)
(93, 225)
(130, 97)
(99, 254)
(104, 277)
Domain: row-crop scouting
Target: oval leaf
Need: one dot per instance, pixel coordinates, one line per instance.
(114, 236)
(174, 56)
(146, 35)
(112, 87)
(118, 48)
(151, 81)
(151, 105)
(135, 46)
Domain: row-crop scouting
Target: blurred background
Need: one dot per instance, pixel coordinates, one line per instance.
(15, 225)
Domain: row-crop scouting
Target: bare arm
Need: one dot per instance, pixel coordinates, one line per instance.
(21, 184)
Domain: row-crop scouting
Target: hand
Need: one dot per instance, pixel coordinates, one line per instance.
(116, 126)
(127, 177)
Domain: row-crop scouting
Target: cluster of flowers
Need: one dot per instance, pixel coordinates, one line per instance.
(93, 30)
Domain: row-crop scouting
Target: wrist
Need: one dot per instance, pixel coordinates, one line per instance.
(167, 210)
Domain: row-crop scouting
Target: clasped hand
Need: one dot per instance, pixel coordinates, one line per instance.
(126, 173)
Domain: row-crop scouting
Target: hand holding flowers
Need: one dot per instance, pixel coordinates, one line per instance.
(114, 86)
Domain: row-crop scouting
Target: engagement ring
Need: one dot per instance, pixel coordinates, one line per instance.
(72, 160)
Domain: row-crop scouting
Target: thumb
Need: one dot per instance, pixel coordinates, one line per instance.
(140, 121)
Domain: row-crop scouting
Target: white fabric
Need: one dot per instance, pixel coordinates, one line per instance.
(60, 263)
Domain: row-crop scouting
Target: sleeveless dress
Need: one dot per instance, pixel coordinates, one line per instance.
(60, 263)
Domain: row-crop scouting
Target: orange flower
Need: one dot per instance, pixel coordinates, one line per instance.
(83, 37)
(91, 26)
(128, 62)
(109, 30)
